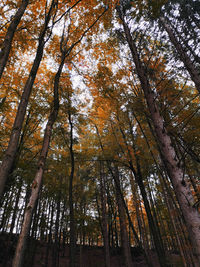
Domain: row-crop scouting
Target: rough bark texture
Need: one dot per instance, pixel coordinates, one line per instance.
(189, 65)
(169, 157)
(10, 153)
(6, 46)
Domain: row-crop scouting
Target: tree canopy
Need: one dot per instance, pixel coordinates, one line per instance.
(99, 136)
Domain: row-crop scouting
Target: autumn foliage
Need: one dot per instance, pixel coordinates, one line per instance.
(99, 130)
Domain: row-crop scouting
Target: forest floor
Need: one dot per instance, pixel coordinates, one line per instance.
(86, 256)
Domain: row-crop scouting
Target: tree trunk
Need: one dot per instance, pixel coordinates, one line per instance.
(115, 241)
(136, 201)
(104, 216)
(36, 185)
(157, 241)
(51, 213)
(155, 216)
(175, 228)
(119, 189)
(6, 46)
(16, 205)
(194, 73)
(122, 218)
(71, 202)
(35, 219)
(169, 157)
(10, 153)
(6, 207)
(139, 179)
(55, 254)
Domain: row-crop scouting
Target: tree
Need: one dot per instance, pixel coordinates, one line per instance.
(168, 154)
(107, 158)
(104, 215)
(37, 183)
(16, 129)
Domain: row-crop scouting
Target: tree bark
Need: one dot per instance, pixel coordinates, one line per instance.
(11, 150)
(169, 157)
(36, 185)
(7, 43)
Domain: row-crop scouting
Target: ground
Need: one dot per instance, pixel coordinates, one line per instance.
(86, 256)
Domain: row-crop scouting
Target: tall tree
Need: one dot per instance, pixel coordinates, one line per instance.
(10, 153)
(168, 154)
(37, 183)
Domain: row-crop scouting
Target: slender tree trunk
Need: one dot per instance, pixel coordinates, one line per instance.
(104, 216)
(175, 229)
(139, 179)
(8, 197)
(51, 213)
(11, 175)
(157, 241)
(119, 189)
(123, 202)
(10, 153)
(189, 65)
(179, 225)
(16, 206)
(123, 227)
(36, 214)
(55, 254)
(71, 201)
(116, 232)
(169, 157)
(36, 185)
(42, 225)
(155, 216)
(6, 46)
(136, 201)
(114, 212)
